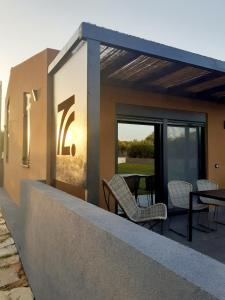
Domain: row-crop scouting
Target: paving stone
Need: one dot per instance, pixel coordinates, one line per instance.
(13, 281)
(8, 242)
(20, 282)
(8, 275)
(4, 237)
(3, 229)
(8, 251)
(5, 262)
(23, 293)
(2, 221)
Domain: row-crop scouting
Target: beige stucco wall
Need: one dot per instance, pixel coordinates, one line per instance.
(31, 74)
(215, 143)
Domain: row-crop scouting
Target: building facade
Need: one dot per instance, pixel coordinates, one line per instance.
(101, 80)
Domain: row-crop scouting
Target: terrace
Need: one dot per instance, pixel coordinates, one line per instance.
(211, 244)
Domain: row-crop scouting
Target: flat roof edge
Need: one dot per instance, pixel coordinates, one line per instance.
(121, 40)
(64, 53)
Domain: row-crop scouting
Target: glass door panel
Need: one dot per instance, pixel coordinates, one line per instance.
(182, 143)
(183, 153)
(136, 156)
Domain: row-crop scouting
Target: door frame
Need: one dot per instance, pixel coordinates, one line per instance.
(158, 152)
(164, 117)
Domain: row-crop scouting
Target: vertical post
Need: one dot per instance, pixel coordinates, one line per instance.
(93, 121)
(51, 129)
(164, 167)
(190, 217)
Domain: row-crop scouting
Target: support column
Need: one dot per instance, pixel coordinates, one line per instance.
(93, 121)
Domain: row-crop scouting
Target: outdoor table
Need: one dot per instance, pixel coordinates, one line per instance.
(213, 194)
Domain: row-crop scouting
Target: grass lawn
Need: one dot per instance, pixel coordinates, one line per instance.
(125, 168)
(147, 169)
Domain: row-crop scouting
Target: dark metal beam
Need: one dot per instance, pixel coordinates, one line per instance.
(164, 91)
(119, 63)
(125, 41)
(211, 91)
(128, 42)
(196, 81)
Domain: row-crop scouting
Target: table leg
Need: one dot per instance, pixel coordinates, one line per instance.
(190, 218)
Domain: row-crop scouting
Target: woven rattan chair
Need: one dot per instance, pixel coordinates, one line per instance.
(205, 185)
(179, 192)
(118, 189)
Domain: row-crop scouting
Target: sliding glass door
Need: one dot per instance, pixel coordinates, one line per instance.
(185, 153)
(138, 155)
(182, 149)
(162, 151)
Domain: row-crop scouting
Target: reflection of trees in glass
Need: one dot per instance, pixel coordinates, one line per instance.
(178, 143)
(137, 149)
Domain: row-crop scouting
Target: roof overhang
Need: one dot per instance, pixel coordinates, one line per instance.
(134, 62)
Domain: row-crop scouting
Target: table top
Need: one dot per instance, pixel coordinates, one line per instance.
(214, 194)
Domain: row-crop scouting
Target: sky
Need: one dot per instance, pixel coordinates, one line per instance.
(130, 132)
(29, 26)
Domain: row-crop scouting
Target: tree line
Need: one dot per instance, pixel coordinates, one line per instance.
(137, 149)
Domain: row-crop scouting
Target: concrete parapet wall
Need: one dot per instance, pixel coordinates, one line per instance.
(74, 250)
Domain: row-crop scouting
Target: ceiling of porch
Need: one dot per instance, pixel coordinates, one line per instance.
(135, 70)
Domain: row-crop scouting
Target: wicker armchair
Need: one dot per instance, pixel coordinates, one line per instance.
(205, 185)
(179, 192)
(118, 189)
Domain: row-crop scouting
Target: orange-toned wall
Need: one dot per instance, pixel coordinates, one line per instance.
(215, 144)
(31, 74)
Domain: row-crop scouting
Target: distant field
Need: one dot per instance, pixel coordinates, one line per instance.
(147, 169)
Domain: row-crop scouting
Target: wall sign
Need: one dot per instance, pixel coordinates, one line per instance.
(70, 112)
(67, 118)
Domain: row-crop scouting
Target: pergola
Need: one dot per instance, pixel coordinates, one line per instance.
(122, 60)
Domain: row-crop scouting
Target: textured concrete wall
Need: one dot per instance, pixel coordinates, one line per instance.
(71, 249)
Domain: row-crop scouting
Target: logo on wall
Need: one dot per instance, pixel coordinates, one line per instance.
(67, 118)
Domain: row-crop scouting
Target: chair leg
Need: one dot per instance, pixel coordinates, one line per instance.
(185, 235)
(152, 198)
(162, 227)
(216, 214)
(175, 231)
(206, 229)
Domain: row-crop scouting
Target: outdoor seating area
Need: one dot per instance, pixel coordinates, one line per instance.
(201, 209)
